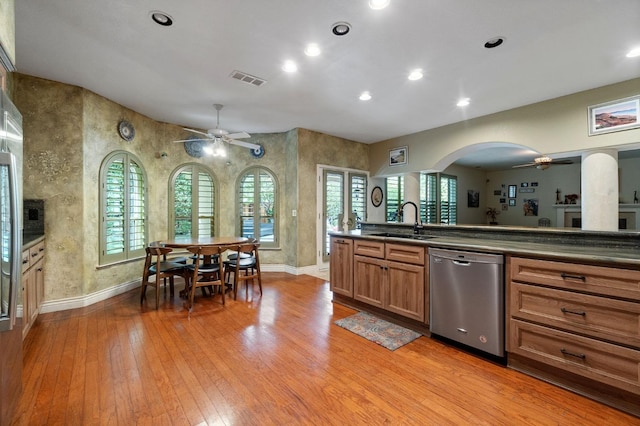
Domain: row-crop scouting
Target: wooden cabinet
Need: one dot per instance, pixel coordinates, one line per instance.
(341, 266)
(580, 319)
(391, 276)
(32, 284)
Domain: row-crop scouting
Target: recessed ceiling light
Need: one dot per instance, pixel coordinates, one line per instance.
(634, 53)
(378, 4)
(415, 75)
(289, 66)
(161, 18)
(341, 28)
(463, 102)
(494, 42)
(312, 49)
(365, 96)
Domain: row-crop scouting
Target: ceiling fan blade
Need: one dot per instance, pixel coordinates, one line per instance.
(524, 165)
(239, 135)
(244, 144)
(197, 131)
(561, 162)
(194, 140)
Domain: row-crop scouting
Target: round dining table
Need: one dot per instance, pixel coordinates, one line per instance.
(184, 242)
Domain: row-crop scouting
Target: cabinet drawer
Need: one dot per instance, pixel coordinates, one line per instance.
(25, 258)
(593, 279)
(604, 362)
(405, 253)
(36, 253)
(369, 248)
(601, 317)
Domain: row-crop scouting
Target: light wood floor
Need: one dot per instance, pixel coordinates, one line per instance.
(275, 360)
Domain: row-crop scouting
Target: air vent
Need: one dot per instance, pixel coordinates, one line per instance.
(247, 78)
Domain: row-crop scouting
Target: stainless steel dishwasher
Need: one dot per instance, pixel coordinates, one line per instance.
(466, 292)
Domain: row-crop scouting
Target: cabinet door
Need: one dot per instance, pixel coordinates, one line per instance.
(368, 279)
(39, 284)
(404, 292)
(341, 266)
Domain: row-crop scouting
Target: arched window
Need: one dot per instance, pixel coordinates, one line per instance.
(258, 205)
(192, 202)
(123, 208)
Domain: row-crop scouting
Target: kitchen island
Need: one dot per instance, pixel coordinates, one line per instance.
(572, 298)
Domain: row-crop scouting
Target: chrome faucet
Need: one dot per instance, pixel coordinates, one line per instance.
(416, 226)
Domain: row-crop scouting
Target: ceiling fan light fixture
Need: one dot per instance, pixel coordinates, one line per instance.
(218, 149)
(415, 74)
(543, 160)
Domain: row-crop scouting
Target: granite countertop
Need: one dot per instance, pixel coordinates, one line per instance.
(616, 255)
(30, 239)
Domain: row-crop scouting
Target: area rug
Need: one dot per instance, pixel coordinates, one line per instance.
(377, 330)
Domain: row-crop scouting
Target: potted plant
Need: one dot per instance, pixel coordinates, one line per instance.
(492, 213)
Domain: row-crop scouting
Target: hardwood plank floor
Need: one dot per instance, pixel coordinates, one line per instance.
(275, 359)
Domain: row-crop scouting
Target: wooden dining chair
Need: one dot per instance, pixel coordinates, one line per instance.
(245, 267)
(205, 274)
(156, 263)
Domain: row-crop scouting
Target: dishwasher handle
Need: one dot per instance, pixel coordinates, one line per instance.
(461, 262)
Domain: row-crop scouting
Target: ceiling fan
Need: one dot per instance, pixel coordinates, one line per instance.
(543, 162)
(212, 142)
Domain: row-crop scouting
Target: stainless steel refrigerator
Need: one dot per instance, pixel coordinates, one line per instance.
(10, 251)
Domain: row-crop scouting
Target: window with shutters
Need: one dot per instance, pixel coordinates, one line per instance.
(257, 206)
(192, 202)
(395, 197)
(438, 198)
(123, 205)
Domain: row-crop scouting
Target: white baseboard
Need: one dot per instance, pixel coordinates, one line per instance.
(98, 296)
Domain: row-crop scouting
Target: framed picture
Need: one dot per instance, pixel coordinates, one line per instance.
(512, 202)
(398, 156)
(524, 184)
(503, 200)
(614, 116)
(530, 207)
(512, 191)
(473, 198)
(534, 183)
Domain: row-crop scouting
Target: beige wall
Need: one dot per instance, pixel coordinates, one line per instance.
(68, 131)
(556, 126)
(8, 29)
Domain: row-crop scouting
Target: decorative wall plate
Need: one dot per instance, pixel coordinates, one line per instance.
(194, 146)
(258, 152)
(126, 130)
(376, 196)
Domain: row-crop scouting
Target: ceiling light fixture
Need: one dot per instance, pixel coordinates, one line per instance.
(289, 66)
(494, 42)
(634, 53)
(415, 75)
(365, 96)
(312, 49)
(463, 102)
(216, 149)
(378, 4)
(341, 28)
(161, 18)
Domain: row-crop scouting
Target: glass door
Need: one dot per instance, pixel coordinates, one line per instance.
(344, 203)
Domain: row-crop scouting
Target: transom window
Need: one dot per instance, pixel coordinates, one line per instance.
(257, 206)
(192, 205)
(123, 207)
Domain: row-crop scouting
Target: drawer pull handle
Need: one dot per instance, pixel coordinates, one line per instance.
(24, 261)
(34, 254)
(569, 311)
(575, 277)
(566, 352)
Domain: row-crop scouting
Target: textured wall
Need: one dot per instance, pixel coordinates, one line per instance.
(68, 131)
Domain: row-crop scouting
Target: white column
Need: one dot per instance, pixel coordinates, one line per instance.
(411, 193)
(600, 190)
